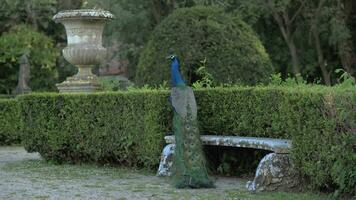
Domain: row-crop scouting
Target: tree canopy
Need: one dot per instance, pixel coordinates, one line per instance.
(24, 39)
(312, 38)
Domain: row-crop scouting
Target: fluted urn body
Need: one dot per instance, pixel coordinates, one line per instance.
(84, 30)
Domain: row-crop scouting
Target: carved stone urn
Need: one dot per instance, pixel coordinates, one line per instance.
(84, 30)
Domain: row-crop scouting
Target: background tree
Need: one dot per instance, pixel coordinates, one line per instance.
(37, 14)
(316, 36)
(316, 16)
(344, 20)
(316, 39)
(328, 27)
(24, 39)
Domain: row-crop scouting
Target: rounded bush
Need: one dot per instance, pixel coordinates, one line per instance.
(233, 52)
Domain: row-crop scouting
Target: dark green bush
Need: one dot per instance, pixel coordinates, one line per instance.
(128, 127)
(233, 52)
(9, 122)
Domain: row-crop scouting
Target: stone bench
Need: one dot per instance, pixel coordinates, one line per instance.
(274, 171)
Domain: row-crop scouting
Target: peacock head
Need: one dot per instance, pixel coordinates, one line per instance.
(171, 57)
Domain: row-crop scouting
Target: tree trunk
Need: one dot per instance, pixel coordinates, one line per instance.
(294, 56)
(285, 24)
(321, 61)
(157, 10)
(347, 56)
(345, 47)
(31, 15)
(288, 38)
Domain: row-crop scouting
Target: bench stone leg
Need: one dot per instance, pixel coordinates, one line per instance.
(165, 166)
(274, 173)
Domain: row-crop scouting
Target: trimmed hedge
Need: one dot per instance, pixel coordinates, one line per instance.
(124, 127)
(128, 127)
(9, 122)
(233, 51)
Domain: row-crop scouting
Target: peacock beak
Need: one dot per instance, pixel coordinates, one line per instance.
(168, 57)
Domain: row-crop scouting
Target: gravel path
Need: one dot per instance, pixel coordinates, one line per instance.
(27, 176)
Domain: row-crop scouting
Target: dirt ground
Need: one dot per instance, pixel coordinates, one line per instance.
(26, 176)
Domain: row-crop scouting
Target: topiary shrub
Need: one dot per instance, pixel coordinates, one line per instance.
(233, 52)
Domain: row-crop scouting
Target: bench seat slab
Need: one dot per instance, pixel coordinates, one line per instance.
(279, 146)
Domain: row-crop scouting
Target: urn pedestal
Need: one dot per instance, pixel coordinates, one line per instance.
(84, 30)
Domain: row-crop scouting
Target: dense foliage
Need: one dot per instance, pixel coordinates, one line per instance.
(24, 22)
(128, 127)
(25, 40)
(232, 51)
(9, 122)
(36, 13)
(135, 20)
(310, 37)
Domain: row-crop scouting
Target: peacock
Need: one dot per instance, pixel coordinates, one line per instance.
(189, 165)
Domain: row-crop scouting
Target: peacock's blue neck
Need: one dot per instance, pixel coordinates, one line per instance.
(177, 79)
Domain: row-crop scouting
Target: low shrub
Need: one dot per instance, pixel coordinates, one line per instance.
(9, 122)
(128, 127)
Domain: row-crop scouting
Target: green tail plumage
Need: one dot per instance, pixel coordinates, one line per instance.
(189, 170)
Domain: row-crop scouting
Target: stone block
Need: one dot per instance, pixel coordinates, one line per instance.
(274, 173)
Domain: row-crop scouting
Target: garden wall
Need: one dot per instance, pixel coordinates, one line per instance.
(128, 127)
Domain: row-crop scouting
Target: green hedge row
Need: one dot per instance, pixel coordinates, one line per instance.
(128, 127)
(123, 127)
(320, 121)
(9, 122)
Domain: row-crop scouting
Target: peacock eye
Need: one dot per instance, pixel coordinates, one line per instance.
(187, 127)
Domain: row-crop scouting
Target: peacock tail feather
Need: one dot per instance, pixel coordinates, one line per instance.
(189, 165)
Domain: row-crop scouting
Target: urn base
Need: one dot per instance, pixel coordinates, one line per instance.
(76, 84)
